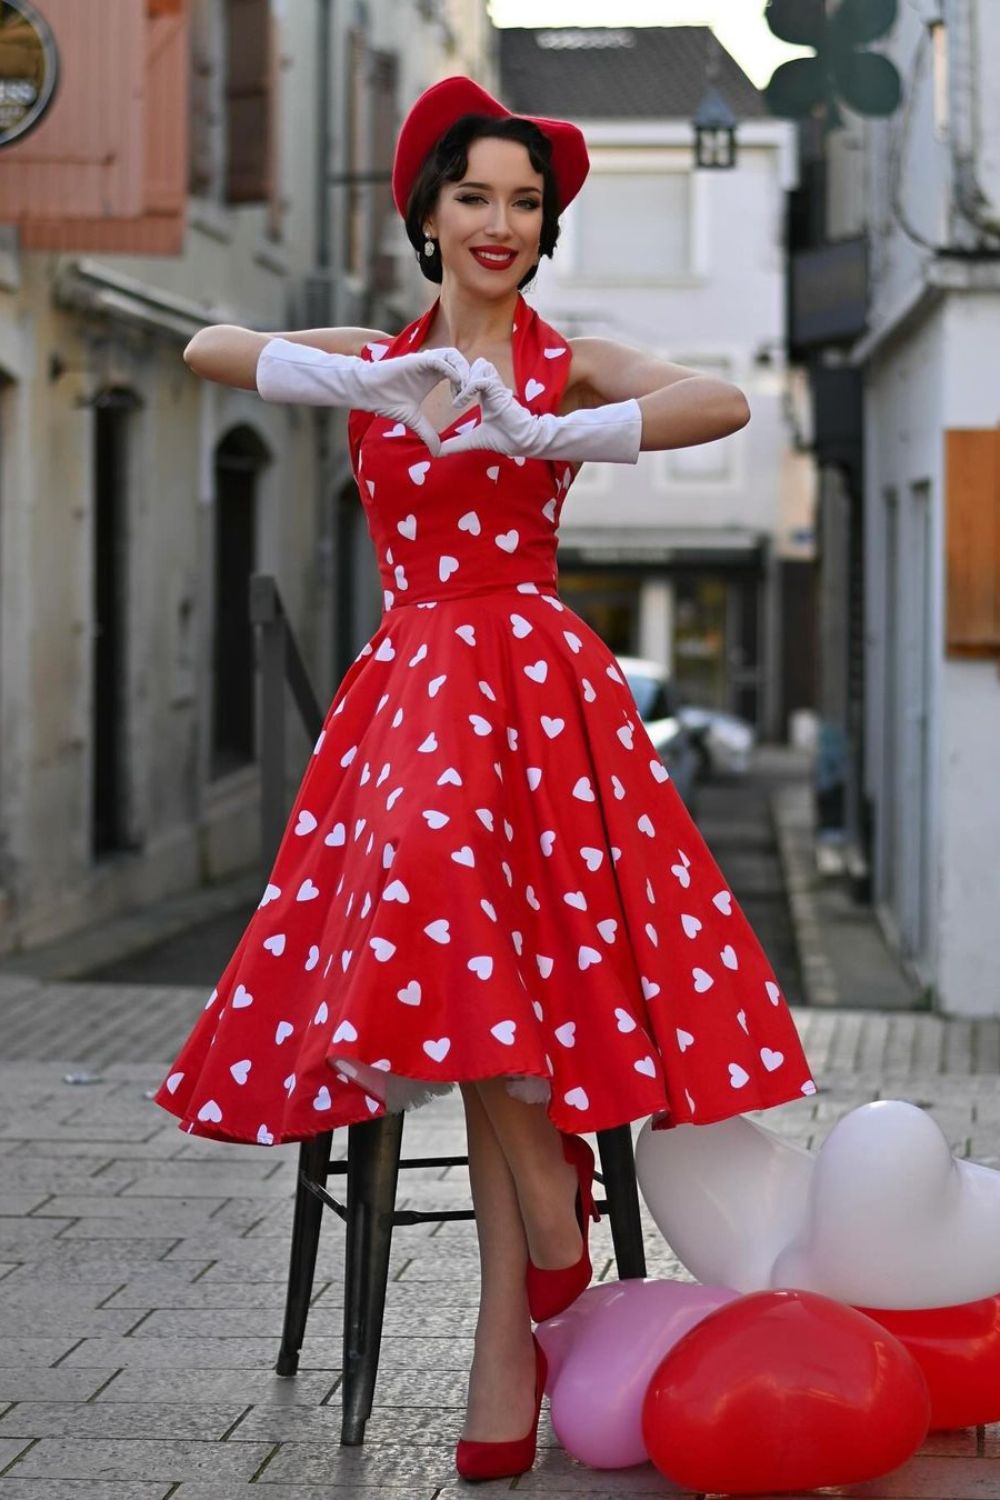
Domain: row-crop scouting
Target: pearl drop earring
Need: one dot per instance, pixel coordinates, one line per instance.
(428, 247)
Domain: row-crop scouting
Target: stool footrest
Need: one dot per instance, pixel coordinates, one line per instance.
(402, 1215)
(398, 1215)
(412, 1161)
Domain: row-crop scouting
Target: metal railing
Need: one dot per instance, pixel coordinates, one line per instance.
(279, 662)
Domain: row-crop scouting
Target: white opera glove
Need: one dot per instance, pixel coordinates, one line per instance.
(394, 387)
(609, 433)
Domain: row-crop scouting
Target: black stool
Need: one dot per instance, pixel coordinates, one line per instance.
(372, 1167)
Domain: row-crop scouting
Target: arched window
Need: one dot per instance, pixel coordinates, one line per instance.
(239, 458)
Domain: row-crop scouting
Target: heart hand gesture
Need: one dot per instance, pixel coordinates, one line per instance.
(505, 425)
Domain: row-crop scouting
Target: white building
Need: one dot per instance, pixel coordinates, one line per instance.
(923, 186)
(684, 557)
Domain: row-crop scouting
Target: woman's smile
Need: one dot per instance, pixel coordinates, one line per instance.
(494, 259)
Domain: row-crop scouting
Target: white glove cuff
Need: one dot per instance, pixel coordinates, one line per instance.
(608, 434)
(287, 371)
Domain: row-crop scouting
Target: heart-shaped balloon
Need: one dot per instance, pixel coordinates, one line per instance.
(603, 1366)
(727, 1197)
(958, 1349)
(882, 1216)
(783, 1391)
(557, 1335)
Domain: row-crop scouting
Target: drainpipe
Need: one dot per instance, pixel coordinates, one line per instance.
(323, 304)
(965, 110)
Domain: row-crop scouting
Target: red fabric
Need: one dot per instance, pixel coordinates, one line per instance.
(486, 870)
(441, 105)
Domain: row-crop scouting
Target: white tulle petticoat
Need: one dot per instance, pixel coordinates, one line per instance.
(397, 1092)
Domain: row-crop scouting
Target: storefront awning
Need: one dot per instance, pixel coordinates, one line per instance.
(651, 545)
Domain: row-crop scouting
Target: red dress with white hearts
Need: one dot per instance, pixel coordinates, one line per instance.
(487, 870)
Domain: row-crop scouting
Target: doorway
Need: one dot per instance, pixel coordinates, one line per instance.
(113, 413)
(239, 459)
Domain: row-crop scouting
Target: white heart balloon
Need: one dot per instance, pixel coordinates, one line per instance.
(896, 1221)
(882, 1216)
(727, 1197)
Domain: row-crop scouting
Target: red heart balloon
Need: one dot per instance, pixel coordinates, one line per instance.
(783, 1390)
(958, 1349)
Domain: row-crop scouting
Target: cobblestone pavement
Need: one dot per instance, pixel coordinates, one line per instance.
(142, 1270)
(142, 1279)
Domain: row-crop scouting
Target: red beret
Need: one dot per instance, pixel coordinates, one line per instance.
(441, 104)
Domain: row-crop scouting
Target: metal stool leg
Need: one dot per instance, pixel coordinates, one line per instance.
(372, 1174)
(622, 1193)
(314, 1159)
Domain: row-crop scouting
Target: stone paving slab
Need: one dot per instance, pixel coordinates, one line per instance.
(81, 1489)
(270, 1491)
(140, 1459)
(123, 1419)
(33, 1383)
(216, 1387)
(143, 1297)
(63, 1322)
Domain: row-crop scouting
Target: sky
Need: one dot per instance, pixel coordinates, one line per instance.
(739, 24)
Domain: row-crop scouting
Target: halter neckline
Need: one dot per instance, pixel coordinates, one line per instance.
(417, 332)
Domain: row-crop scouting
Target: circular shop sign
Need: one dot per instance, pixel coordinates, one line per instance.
(29, 69)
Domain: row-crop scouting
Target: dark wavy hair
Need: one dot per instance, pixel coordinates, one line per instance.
(448, 160)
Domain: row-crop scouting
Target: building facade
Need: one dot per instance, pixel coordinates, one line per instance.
(912, 614)
(700, 557)
(225, 161)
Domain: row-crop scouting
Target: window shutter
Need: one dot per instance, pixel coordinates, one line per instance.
(972, 496)
(85, 159)
(249, 101)
(159, 229)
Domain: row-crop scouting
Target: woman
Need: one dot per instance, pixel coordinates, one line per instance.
(504, 774)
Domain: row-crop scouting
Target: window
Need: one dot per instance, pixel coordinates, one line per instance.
(249, 102)
(234, 104)
(634, 226)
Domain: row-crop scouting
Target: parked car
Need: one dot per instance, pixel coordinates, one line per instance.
(657, 703)
(722, 742)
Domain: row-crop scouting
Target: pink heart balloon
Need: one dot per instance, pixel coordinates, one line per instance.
(557, 1335)
(614, 1345)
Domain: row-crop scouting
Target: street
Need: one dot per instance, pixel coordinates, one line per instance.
(143, 1271)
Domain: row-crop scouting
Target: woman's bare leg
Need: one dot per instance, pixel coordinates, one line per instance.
(545, 1182)
(501, 1400)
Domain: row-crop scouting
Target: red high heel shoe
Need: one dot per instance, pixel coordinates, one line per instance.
(480, 1460)
(551, 1291)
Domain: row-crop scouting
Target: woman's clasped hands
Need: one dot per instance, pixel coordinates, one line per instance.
(399, 385)
(395, 387)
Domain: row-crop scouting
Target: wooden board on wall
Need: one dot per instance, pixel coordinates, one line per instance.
(87, 156)
(972, 542)
(159, 229)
